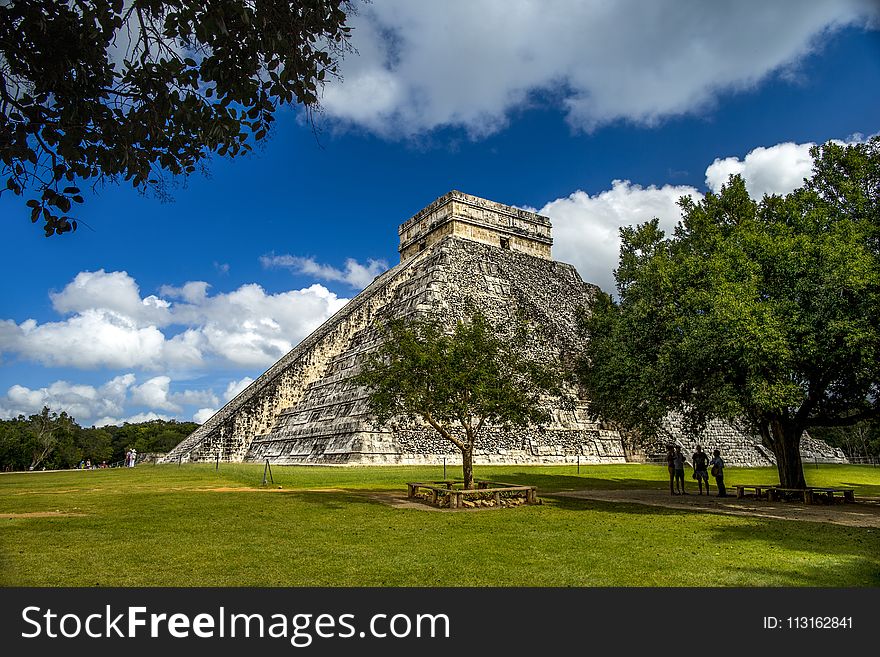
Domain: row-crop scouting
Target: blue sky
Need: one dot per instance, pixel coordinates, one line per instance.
(596, 117)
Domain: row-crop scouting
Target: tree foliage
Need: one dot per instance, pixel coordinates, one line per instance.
(765, 311)
(458, 382)
(860, 441)
(54, 440)
(95, 90)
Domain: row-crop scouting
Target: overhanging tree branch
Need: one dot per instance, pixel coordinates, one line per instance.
(158, 109)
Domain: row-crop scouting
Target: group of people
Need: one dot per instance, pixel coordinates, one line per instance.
(88, 465)
(676, 461)
(130, 458)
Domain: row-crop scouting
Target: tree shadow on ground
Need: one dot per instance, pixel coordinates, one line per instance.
(548, 483)
(772, 534)
(333, 500)
(869, 490)
(861, 573)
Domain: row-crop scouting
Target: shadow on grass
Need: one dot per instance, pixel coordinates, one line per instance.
(869, 490)
(548, 483)
(551, 483)
(860, 573)
(791, 536)
(839, 555)
(333, 500)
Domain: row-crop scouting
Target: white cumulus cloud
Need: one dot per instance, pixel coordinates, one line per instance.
(132, 419)
(586, 228)
(203, 414)
(355, 274)
(114, 292)
(111, 325)
(778, 169)
(236, 387)
(118, 400)
(155, 393)
(233, 388)
(81, 401)
(94, 337)
(468, 64)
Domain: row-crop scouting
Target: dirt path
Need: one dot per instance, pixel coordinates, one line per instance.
(864, 513)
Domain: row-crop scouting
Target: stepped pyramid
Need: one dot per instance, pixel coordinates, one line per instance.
(458, 254)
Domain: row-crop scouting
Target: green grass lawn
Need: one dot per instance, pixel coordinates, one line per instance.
(151, 526)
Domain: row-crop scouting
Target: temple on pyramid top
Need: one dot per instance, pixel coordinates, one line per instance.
(477, 219)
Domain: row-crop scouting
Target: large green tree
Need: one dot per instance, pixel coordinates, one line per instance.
(766, 312)
(458, 381)
(94, 90)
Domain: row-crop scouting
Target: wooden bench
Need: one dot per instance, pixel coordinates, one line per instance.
(760, 489)
(810, 494)
(413, 488)
(849, 495)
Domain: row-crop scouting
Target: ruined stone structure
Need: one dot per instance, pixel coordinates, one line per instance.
(738, 446)
(459, 254)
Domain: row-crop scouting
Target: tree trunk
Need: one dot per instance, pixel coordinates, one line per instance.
(39, 457)
(467, 465)
(786, 445)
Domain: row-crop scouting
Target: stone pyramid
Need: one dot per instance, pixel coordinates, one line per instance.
(458, 254)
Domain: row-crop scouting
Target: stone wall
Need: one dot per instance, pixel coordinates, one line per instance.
(738, 446)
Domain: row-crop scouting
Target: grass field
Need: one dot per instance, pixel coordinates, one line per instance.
(171, 526)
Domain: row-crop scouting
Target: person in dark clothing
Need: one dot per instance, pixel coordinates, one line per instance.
(717, 464)
(701, 468)
(678, 462)
(670, 464)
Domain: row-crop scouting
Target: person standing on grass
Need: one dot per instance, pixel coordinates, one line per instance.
(678, 462)
(701, 468)
(717, 464)
(670, 464)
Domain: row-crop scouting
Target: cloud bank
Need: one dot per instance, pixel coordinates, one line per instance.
(114, 402)
(468, 64)
(585, 227)
(109, 324)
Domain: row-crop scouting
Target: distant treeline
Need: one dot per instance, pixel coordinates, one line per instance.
(53, 441)
(859, 441)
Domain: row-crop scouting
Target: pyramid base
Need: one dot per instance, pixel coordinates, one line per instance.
(421, 448)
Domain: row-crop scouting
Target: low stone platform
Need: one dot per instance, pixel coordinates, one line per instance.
(452, 494)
